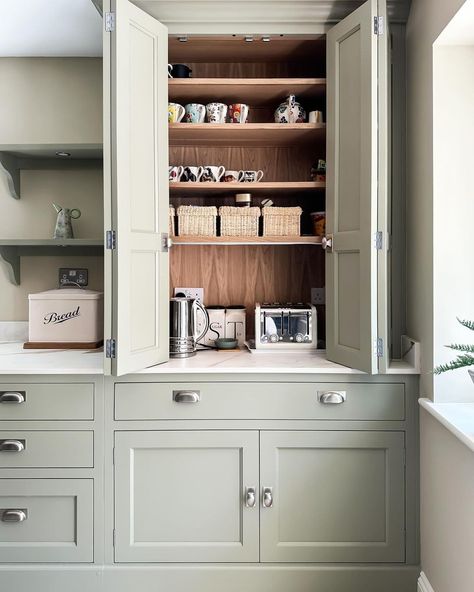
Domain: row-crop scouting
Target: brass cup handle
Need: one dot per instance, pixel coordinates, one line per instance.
(12, 397)
(16, 515)
(12, 445)
(250, 498)
(267, 497)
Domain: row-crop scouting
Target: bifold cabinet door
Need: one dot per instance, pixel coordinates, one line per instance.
(356, 186)
(336, 497)
(181, 496)
(136, 187)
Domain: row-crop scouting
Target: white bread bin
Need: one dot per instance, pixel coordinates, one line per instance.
(66, 315)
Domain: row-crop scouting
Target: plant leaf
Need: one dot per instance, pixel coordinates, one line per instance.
(467, 324)
(461, 347)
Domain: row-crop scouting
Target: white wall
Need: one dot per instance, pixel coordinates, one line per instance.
(453, 174)
(447, 513)
(426, 21)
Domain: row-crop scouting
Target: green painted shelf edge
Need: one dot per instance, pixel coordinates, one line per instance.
(11, 250)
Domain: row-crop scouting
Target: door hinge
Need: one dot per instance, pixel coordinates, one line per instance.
(110, 348)
(165, 242)
(404, 457)
(379, 240)
(109, 22)
(113, 537)
(379, 347)
(113, 455)
(378, 25)
(110, 239)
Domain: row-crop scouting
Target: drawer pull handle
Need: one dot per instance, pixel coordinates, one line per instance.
(250, 498)
(14, 515)
(331, 397)
(12, 445)
(186, 396)
(267, 498)
(12, 396)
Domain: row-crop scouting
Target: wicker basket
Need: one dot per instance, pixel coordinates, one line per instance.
(197, 220)
(171, 215)
(239, 221)
(281, 221)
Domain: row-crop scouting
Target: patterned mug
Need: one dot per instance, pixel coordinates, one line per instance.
(175, 112)
(230, 176)
(238, 113)
(175, 173)
(213, 173)
(216, 112)
(194, 113)
(250, 176)
(192, 174)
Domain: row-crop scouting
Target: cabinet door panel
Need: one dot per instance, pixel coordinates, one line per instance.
(352, 189)
(137, 161)
(180, 496)
(337, 497)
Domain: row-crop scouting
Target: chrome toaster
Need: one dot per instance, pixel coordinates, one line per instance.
(285, 326)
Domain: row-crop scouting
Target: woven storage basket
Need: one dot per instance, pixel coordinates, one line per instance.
(281, 221)
(171, 215)
(239, 221)
(197, 220)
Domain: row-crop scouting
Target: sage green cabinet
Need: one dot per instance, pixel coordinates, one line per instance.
(336, 496)
(180, 496)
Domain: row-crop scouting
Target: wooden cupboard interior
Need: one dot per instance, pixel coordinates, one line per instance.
(261, 74)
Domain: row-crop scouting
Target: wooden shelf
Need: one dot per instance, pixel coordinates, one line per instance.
(256, 92)
(245, 240)
(246, 134)
(218, 189)
(11, 250)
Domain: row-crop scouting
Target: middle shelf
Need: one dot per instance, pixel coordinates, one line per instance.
(246, 240)
(271, 187)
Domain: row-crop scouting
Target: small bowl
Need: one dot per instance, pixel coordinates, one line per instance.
(226, 343)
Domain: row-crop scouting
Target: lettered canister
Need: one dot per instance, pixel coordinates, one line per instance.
(67, 315)
(235, 323)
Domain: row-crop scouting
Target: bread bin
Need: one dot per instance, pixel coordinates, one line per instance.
(67, 315)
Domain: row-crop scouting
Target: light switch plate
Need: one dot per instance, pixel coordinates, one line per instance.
(71, 276)
(196, 293)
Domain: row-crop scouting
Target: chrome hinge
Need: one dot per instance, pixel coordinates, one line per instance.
(378, 240)
(113, 537)
(165, 242)
(113, 455)
(110, 348)
(378, 25)
(110, 239)
(109, 22)
(379, 347)
(404, 457)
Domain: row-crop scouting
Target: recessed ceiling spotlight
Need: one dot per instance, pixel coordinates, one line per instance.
(63, 154)
(248, 38)
(182, 39)
(266, 38)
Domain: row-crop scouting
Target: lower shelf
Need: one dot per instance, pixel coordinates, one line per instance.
(246, 240)
(12, 249)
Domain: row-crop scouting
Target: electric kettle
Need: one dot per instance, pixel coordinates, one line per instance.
(183, 325)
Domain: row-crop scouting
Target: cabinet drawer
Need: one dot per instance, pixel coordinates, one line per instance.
(46, 449)
(148, 401)
(46, 520)
(22, 401)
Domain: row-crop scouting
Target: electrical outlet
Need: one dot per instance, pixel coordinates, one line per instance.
(73, 277)
(318, 296)
(196, 293)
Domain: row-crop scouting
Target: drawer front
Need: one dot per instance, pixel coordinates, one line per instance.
(46, 520)
(22, 401)
(46, 449)
(334, 401)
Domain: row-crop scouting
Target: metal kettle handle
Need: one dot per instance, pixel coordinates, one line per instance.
(197, 304)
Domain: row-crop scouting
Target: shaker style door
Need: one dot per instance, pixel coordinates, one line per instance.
(186, 496)
(136, 187)
(335, 497)
(356, 186)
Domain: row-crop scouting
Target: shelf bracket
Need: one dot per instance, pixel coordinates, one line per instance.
(9, 166)
(10, 258)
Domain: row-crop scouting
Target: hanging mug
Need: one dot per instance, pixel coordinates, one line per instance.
(213, 173)
(238, 113)
(175, 173)
(250, 176)
(194, 113)
(216, 112)
(175, 112)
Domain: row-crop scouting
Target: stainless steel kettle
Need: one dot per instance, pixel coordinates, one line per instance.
(183, 326)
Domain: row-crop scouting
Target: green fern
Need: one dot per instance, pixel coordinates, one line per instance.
(464, 359)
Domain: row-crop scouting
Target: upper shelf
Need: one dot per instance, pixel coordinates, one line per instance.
(256, 92)
(246, 134)
(267, 188)
(246, 240)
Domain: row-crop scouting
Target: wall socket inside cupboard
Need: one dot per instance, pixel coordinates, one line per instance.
(318, 296)
(69, 276)
(196, 293)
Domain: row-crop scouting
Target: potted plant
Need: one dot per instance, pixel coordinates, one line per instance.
(464, 359)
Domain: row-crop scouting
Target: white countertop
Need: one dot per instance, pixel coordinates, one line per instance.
(458, 418)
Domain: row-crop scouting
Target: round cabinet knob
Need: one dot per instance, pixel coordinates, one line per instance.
(299, 338)
(264, 339)
(274, 338)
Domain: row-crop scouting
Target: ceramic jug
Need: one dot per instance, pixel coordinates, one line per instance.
(290, 111)
(63, 227)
